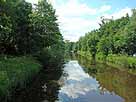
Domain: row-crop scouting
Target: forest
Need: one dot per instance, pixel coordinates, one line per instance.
(114, 41)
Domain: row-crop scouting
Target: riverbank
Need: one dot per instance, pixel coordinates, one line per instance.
(16, 73)
(118, 61)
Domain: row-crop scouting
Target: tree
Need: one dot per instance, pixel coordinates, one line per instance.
(27, 30)
(92, 43)
(23, 36)
(130, 35)
(104, 46)
(6, 29)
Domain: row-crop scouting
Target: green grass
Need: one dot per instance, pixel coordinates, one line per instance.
(122, 60)
(119, 61)
(16, 72)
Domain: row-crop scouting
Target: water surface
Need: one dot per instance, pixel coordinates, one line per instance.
(78, 86)
(80, 81)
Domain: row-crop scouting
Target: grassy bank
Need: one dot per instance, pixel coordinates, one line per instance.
(15, 73)
(119, 61)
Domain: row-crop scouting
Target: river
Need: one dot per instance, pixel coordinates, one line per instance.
(79, 81)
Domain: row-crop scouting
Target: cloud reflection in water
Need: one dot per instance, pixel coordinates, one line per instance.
(80, 87)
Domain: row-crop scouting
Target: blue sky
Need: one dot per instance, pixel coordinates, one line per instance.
(77, 17)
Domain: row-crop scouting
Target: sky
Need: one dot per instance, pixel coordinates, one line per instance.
(77, 17)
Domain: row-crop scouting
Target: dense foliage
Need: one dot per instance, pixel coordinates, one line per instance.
(27, 29)
(16, 73)
(113, 37)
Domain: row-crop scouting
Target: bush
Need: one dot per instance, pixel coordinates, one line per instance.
(123, 60)
(51, 57)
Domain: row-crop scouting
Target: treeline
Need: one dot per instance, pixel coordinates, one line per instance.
(27, 29)
(113, 37)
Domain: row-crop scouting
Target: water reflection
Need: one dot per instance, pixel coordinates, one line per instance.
(81, 82)
(44, 88)
(78, 86)
(114, 80)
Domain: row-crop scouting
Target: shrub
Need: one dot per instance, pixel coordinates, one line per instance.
(51, 57)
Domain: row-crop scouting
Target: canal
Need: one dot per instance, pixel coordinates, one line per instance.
(80, 81)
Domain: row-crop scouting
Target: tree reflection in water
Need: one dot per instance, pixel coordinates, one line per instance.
(44, 88)
(112, 79)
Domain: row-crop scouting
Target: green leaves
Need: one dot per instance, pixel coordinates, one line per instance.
(6, 35)
(130, 35)
(92, 42)
(24, 30)
(16, 72)
(105, 45)
(45, 31)
(113, 36)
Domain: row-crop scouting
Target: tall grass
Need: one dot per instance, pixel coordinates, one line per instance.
(16, 73)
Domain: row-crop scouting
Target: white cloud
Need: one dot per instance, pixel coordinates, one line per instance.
(119, 14)
(74, 8)
(76, 18)
(71, 17)
(73, 28)
(82, 82)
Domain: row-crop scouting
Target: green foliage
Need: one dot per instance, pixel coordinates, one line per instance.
(70, 47)
(16, 72)
(27, 30)
(92, 43)
(114, 41)
(51, 57)
(6, 37)
(123, 60)
(44, 27)
(130, 35)
(104, 46)
(4, 83)
(23, 36)
(113, 37)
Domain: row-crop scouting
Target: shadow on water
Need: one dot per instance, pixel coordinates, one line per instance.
(44, 88)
